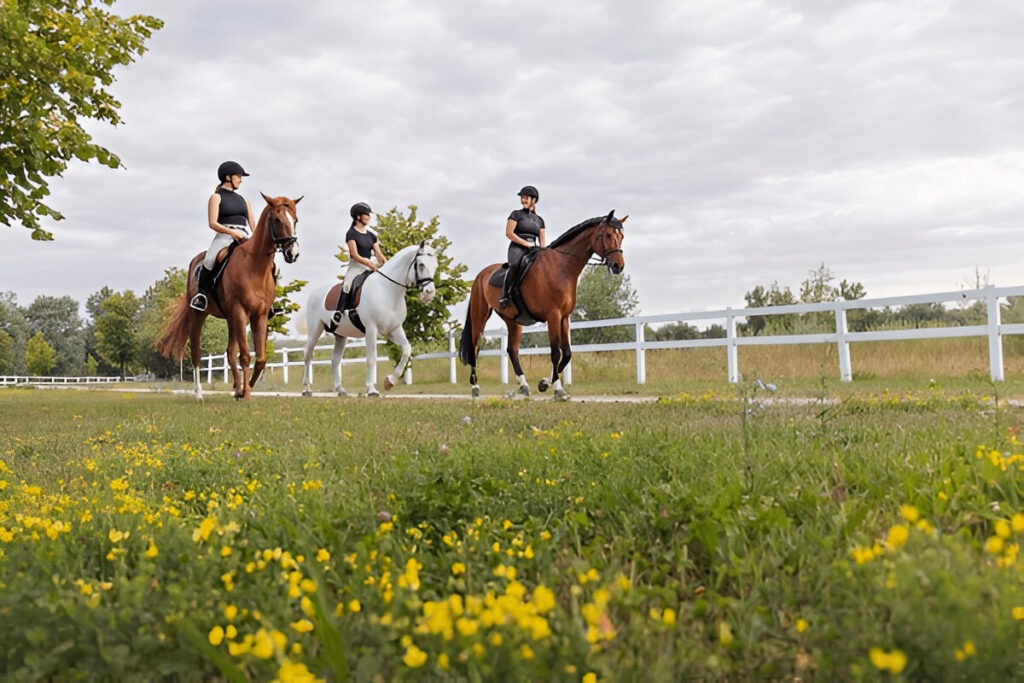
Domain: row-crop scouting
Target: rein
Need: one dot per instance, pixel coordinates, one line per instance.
(420, 282)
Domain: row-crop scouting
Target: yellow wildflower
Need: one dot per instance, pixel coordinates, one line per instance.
(414, 657)
(216, 636)
(893, 662)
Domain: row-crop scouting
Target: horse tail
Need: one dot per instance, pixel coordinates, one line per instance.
(467, 346)
(177, 331)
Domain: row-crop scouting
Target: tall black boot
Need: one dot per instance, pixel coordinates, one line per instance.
(205, 286)
(506, 292)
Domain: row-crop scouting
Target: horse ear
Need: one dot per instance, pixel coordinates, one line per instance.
(624, 218)
(611, 215)
(299, 199)
(269, 200)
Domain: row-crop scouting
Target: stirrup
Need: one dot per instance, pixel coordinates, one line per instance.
(198, 303)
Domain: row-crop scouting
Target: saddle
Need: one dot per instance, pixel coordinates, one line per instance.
(497, 279)
(345, 305)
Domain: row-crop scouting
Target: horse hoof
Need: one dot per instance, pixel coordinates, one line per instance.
(388, 384)
(476, 391)
(307, 393)
(561, 395)
(524, 389)
(372, 393)
(342, 393)
(543, 385)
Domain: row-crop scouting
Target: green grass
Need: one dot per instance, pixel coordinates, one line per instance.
(720, 533)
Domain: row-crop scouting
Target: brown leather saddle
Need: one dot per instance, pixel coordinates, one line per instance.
(345, 305)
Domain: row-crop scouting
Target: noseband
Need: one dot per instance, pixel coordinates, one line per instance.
(280, 243)
(603, 258)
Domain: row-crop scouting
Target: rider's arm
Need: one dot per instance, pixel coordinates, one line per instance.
(543, 238)
(510, 232)
(379, 254)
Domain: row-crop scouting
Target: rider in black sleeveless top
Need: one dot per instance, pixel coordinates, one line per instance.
(230, 216)
(525, 230)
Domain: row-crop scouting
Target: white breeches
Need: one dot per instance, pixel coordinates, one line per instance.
(354, 269)
(220, 241)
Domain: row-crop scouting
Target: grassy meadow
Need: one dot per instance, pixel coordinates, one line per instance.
(725, 533)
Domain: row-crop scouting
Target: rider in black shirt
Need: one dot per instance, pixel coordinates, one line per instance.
(525, 230)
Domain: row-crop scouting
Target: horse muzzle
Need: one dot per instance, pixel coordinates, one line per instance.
(616, 268)
(427, 293)
(291, 252)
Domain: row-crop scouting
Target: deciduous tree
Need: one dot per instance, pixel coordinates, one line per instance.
(117, 335)
(40, 358)
(58, 319)
(57, 61)
(602, 296)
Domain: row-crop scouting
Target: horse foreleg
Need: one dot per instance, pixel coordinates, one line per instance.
(399, 339)
(515, 338)
(558, 332)
(336, 357)
(259, 344)
(371, 361)
(238, 353)
(307, 358)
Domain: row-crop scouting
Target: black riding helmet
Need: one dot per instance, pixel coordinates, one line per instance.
(529, 191)
(230, 168)
(359, 209)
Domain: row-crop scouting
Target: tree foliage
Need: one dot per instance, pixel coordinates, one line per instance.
(57, 61)
(40, 358)
(602, 296)
(427, 325)
(6, 354)
(12, 321)
(58, 319)
(117, 335)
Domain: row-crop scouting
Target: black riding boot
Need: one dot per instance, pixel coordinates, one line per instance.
(201, 300)
(506, 292)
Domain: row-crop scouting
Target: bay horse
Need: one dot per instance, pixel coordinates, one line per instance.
(548, 292)
(243, 296)
(381, 309)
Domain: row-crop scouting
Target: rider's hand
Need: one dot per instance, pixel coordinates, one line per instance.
(239, 235)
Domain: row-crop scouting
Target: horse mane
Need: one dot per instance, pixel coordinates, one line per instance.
(575, 230)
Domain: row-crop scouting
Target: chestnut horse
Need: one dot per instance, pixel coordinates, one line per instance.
(243, 296)
(548, 292)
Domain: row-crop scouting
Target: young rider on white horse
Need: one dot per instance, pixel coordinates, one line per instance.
(363, 245)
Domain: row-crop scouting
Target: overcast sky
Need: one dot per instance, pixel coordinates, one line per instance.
(748, 141)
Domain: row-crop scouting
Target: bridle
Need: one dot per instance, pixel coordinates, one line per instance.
(421, 282)
(602, 259)
(281, 243)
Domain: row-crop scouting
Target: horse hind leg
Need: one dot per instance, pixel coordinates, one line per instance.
(194, 339)
(515, 338)
(336, 357)
(371, 362)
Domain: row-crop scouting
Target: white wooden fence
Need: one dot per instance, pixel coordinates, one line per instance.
(993, 329)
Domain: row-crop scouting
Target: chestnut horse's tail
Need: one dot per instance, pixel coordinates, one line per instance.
(177, 331)
(479, 310)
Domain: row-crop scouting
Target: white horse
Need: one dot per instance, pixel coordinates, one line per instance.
(381, 310)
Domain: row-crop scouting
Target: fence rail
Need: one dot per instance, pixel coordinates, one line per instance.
(840, 336)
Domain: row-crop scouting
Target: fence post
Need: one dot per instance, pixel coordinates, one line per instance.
(451, 359)
(995, 340)
(284, 364)
(209, 369)
(732, 357)
(845, 370)
(225, 368)
(641, 358)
